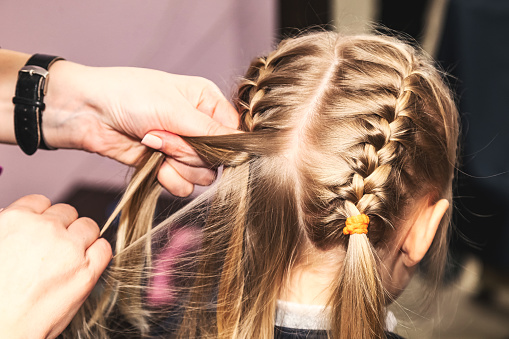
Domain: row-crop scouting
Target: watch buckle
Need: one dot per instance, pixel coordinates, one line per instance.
(32, 69)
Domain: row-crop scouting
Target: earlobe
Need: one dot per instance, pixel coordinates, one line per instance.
(422, 232)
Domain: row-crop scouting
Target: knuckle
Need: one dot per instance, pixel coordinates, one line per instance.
(174, 150)
(41, 198)
(35, 200)
(89, 222)
(206, 83)
(212, 87)
(92, 225)
(51, 221)
(212, 128)
(86, 226)
(68, 208)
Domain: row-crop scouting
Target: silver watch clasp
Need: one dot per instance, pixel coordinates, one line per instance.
(32, 69)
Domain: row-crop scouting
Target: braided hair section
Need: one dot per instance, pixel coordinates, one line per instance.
(393, 123)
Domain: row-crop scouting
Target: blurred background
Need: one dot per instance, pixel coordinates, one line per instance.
(217, 39)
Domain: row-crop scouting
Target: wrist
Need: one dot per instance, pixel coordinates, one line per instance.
(65, 118)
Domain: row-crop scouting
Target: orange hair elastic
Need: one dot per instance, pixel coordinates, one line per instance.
(357, 224)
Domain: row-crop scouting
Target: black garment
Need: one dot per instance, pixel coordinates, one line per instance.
(295, 333)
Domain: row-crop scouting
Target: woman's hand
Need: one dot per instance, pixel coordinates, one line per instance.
(51, 260)
(110, 110)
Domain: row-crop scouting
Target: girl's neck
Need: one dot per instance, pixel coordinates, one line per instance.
(309, 282)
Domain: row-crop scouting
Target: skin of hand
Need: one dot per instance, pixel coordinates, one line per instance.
(110, 110)
(51, 260)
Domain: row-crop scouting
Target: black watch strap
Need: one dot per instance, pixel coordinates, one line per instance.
(29, 102)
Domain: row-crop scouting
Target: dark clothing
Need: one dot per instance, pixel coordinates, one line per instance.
(295, 333)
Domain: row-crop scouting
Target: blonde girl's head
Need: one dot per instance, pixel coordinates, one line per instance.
(334, 127)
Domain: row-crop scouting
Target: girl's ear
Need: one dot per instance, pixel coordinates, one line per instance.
(422, 232)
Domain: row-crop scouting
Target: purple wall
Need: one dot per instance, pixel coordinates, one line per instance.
(213, 39)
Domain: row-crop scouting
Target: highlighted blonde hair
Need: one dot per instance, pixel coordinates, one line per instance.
(335, 126)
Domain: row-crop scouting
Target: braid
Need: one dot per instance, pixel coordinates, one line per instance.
(251, 92)
(378, 160)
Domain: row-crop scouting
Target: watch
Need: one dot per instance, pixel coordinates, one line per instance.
(29, 102)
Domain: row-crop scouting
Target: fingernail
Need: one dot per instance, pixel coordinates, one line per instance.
(152, 141)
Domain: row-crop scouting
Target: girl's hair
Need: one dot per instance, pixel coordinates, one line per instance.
(335, 126)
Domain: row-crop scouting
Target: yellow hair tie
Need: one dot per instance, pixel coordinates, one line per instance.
(357, 224)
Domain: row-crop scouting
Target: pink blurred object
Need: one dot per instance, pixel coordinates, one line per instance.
(161, 289)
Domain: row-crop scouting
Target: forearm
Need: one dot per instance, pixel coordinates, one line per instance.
(10, 63)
